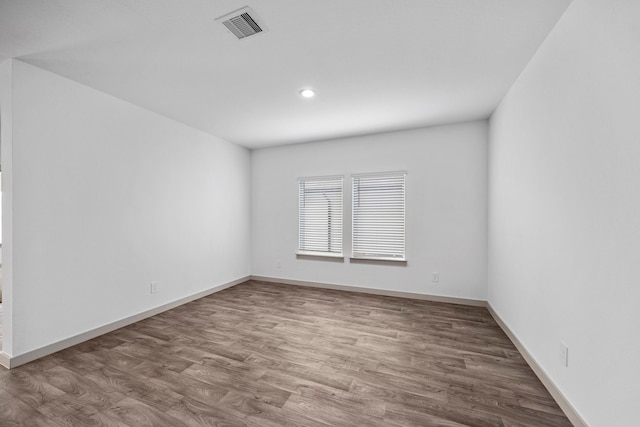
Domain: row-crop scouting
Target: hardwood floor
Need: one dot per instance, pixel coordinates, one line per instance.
(262, 354)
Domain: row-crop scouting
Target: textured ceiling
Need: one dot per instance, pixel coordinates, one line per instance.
(376, 65)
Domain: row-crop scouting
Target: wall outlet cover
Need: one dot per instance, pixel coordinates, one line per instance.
(564, 354)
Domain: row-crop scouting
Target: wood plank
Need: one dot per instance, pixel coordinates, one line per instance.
(268, 354)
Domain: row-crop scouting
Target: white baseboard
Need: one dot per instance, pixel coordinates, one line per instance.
(555, 392)
(21, 359)
(348, 288)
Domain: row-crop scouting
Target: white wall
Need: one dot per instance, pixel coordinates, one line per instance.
(564, 229)
(108, 197)
(7, 217)
(446, 208)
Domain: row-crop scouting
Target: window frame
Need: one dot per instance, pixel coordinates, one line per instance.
(335, 220)
(397, 218)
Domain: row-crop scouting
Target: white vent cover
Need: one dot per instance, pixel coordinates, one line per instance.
(242, 22)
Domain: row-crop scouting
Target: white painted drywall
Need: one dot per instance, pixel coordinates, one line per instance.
(446, 208)
(108, 197)
(7, 205)
(564, 245)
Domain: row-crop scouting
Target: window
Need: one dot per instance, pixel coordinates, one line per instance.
(320, 216)
(378, 216)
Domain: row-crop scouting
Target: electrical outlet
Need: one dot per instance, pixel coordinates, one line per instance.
(435, 277)
(154, 287)
(564, 355)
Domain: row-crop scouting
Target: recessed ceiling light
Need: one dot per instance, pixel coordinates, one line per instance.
(308, 93)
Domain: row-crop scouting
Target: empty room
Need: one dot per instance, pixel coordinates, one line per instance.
(319, 213)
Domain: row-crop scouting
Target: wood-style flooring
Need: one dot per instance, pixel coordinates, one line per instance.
(262, 354)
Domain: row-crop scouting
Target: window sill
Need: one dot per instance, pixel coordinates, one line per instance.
(379, 261)
(320, 256)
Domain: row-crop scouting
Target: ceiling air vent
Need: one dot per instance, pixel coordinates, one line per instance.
(242, 23)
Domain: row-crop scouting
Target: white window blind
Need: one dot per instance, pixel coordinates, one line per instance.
(320, 216)
(379, 216)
